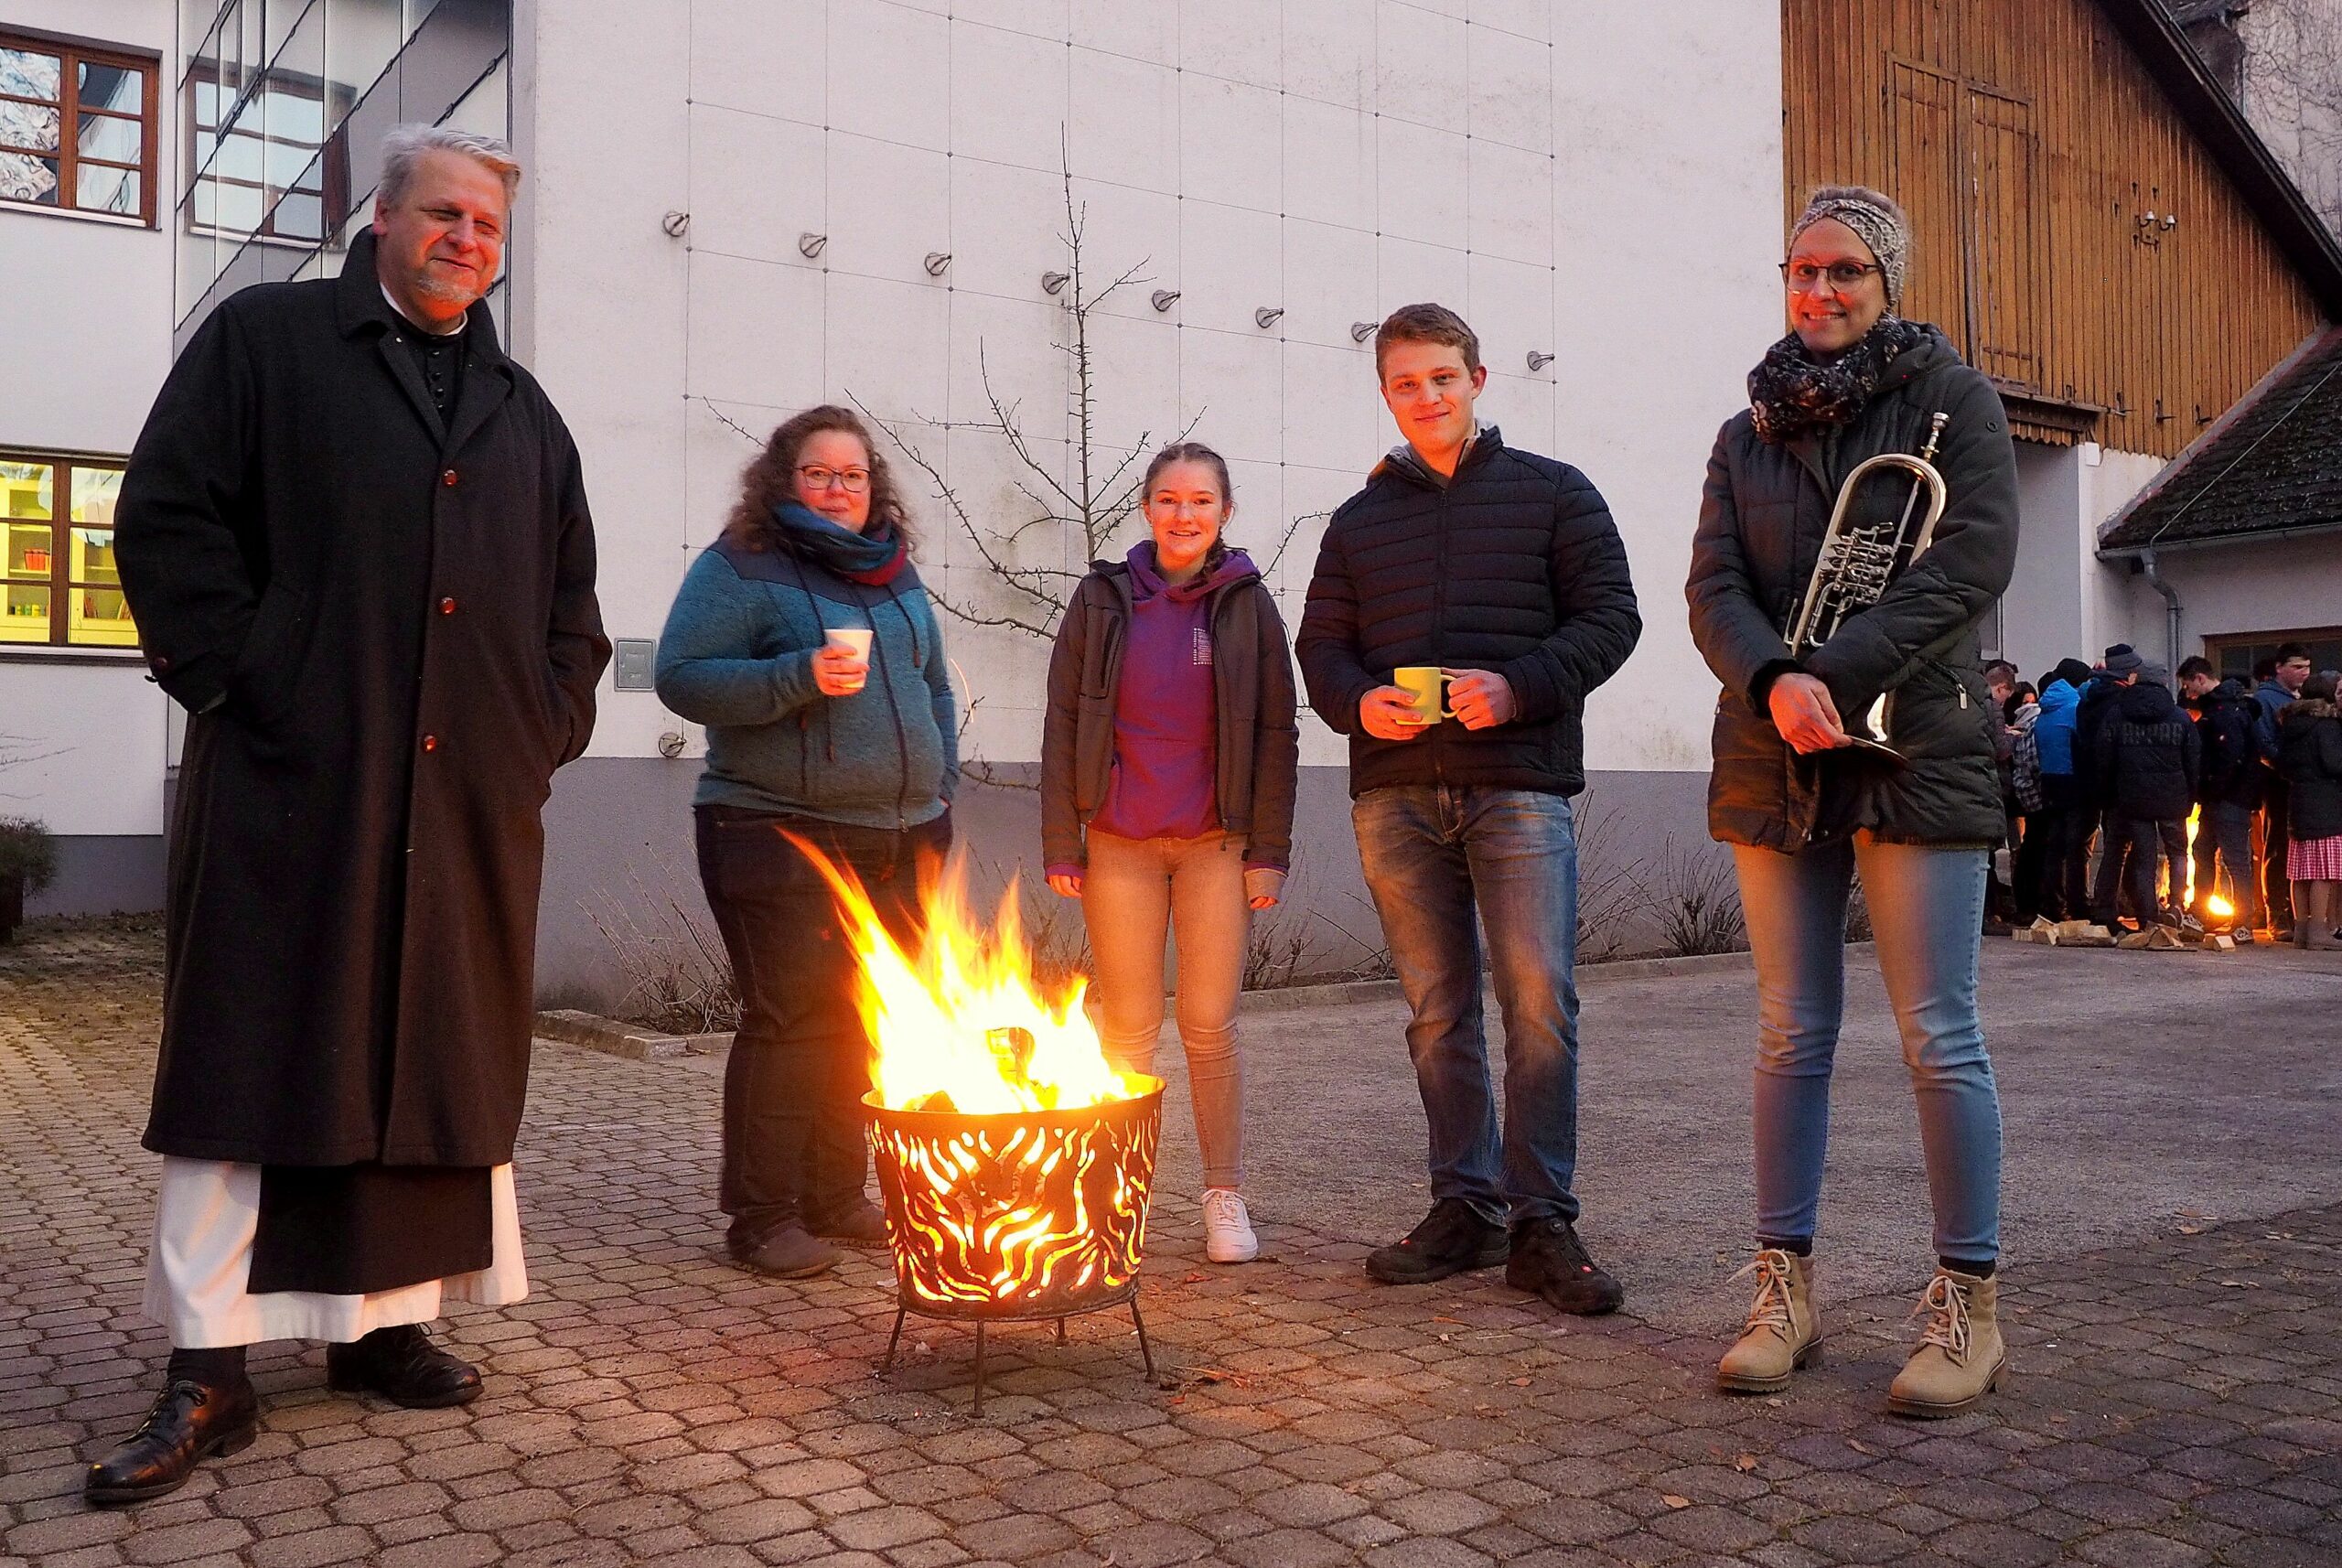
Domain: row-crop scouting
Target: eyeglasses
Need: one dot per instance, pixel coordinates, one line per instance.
(1842, 276)
(853, 480)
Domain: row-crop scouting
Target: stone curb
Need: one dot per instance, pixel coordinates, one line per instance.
(596, 1032)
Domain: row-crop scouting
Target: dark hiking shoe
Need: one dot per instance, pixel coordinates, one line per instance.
(858, 1223)
(791, 1252)
(1451, 1239)
(190, 1421)
(404, 1367)
(1549, 1260)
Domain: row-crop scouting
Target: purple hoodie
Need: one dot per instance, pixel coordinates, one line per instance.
(1165, 709)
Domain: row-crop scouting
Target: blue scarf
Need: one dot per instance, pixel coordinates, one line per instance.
(873, 558)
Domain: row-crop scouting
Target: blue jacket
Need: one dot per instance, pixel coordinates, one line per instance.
(737, 656)
(2053, 733)
(2273, 699)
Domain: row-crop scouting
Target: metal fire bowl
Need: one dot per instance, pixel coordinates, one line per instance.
(970, 1248)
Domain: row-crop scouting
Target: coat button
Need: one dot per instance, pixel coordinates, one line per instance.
(447, 607)
(448, 478)
(430, 743)
(161, 661)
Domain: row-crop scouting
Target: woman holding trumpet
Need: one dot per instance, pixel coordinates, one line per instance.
(1804, 796)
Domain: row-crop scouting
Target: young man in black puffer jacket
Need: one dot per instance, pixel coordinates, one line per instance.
(2148, 758)
(1503, 572)
(2227, 789)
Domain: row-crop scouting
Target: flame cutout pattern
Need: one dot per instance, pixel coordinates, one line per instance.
(1022, 1215)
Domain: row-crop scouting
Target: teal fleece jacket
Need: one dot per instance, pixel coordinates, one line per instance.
(737, 656)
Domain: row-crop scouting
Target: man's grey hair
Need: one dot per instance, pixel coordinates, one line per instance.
(406, 145)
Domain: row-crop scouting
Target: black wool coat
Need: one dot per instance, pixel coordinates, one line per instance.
(1763, 514)
(1514, 566)
(385, 628)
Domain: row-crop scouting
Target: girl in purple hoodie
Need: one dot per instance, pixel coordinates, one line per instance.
(1168, 766)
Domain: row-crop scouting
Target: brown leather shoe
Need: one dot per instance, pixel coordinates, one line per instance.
(404, 1367)
(190, 1421)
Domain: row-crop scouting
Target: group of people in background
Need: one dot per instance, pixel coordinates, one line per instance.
(355, 536)
(2109, 759)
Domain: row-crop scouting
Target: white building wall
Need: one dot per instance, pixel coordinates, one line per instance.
(1333, 158)
(87, 349)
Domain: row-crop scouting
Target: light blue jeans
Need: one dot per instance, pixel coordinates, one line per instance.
(1445, 862)
(1927, 907)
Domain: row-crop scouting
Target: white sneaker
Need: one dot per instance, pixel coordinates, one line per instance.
(1227, 1227)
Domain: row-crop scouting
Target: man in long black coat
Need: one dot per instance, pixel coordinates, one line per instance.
(355, 537)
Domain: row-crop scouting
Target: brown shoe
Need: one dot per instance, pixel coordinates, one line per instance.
(1783, 1334)
(1960, 1357)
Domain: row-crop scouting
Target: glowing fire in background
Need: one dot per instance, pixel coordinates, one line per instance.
(1015, 1159)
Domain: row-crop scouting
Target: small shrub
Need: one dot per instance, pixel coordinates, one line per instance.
(679, 978)
(1695, 899)
(27, 850)
(1609, 890)
(1858, 914)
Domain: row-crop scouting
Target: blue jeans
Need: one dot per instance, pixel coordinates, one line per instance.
(1434, 855)
(1927, 911)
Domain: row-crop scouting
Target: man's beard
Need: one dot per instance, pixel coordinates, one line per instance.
(430, 285)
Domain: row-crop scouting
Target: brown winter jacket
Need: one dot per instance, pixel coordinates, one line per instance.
(1252, 679)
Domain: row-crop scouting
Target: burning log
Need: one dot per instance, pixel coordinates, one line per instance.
(1015, 1160)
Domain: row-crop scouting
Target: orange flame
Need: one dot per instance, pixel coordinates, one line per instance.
(2218, 907)
(961, 1025)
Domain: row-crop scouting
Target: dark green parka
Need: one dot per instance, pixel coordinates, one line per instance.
(1762, 519)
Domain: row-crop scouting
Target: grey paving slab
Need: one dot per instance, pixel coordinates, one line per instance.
(2175, 1245)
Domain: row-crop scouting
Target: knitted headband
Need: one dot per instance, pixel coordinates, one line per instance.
(1875, 220)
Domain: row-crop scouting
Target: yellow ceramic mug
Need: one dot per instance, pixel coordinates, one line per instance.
(1427, 686)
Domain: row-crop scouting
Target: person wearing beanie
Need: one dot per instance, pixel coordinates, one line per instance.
(2148, 760)
(1804, 810)
(1169, 756)
(2117, 669)
(2065, 888)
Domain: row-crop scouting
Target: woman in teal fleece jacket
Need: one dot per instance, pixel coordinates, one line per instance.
(857, 755)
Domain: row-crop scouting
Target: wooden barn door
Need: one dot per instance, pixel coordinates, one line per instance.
(2007, 313)
(1924, 113)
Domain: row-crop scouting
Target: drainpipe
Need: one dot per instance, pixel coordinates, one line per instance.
(2170, 611)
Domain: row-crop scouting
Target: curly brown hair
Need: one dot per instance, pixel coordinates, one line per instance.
(772, 480)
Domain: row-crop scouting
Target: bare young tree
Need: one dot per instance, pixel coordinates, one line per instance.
(2293, 92)
(1100, 490)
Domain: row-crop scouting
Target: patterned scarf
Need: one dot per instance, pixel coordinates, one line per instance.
(1792, 393)
(874, 557)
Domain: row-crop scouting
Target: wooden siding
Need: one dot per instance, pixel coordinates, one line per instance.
(2029, 143)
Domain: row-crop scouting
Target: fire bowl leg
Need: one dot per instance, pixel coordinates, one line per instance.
(979, 1408)
(1060, 1330)
(893, 1341)
(1139, 1323)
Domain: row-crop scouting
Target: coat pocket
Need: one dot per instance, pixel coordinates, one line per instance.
(265, 675)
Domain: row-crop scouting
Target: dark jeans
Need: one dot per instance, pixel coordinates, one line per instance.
(2029, 869)
(2224, 848)
(1434, 856)
(2141, 838)
(2065, 888)
(2108, 883)
(793, 1117)
(2275, 837)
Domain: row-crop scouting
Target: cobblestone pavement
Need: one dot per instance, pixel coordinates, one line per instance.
(2175, 1402)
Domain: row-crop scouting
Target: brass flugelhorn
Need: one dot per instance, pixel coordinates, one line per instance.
(1858, 563)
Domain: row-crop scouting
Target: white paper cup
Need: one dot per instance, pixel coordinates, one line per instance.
(855, 640)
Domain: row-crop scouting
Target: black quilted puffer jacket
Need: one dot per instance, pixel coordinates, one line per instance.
(1513, 565)
(1762, 519)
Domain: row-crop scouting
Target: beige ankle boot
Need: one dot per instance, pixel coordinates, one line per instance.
(1960, 1357)
(1783, 1334)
